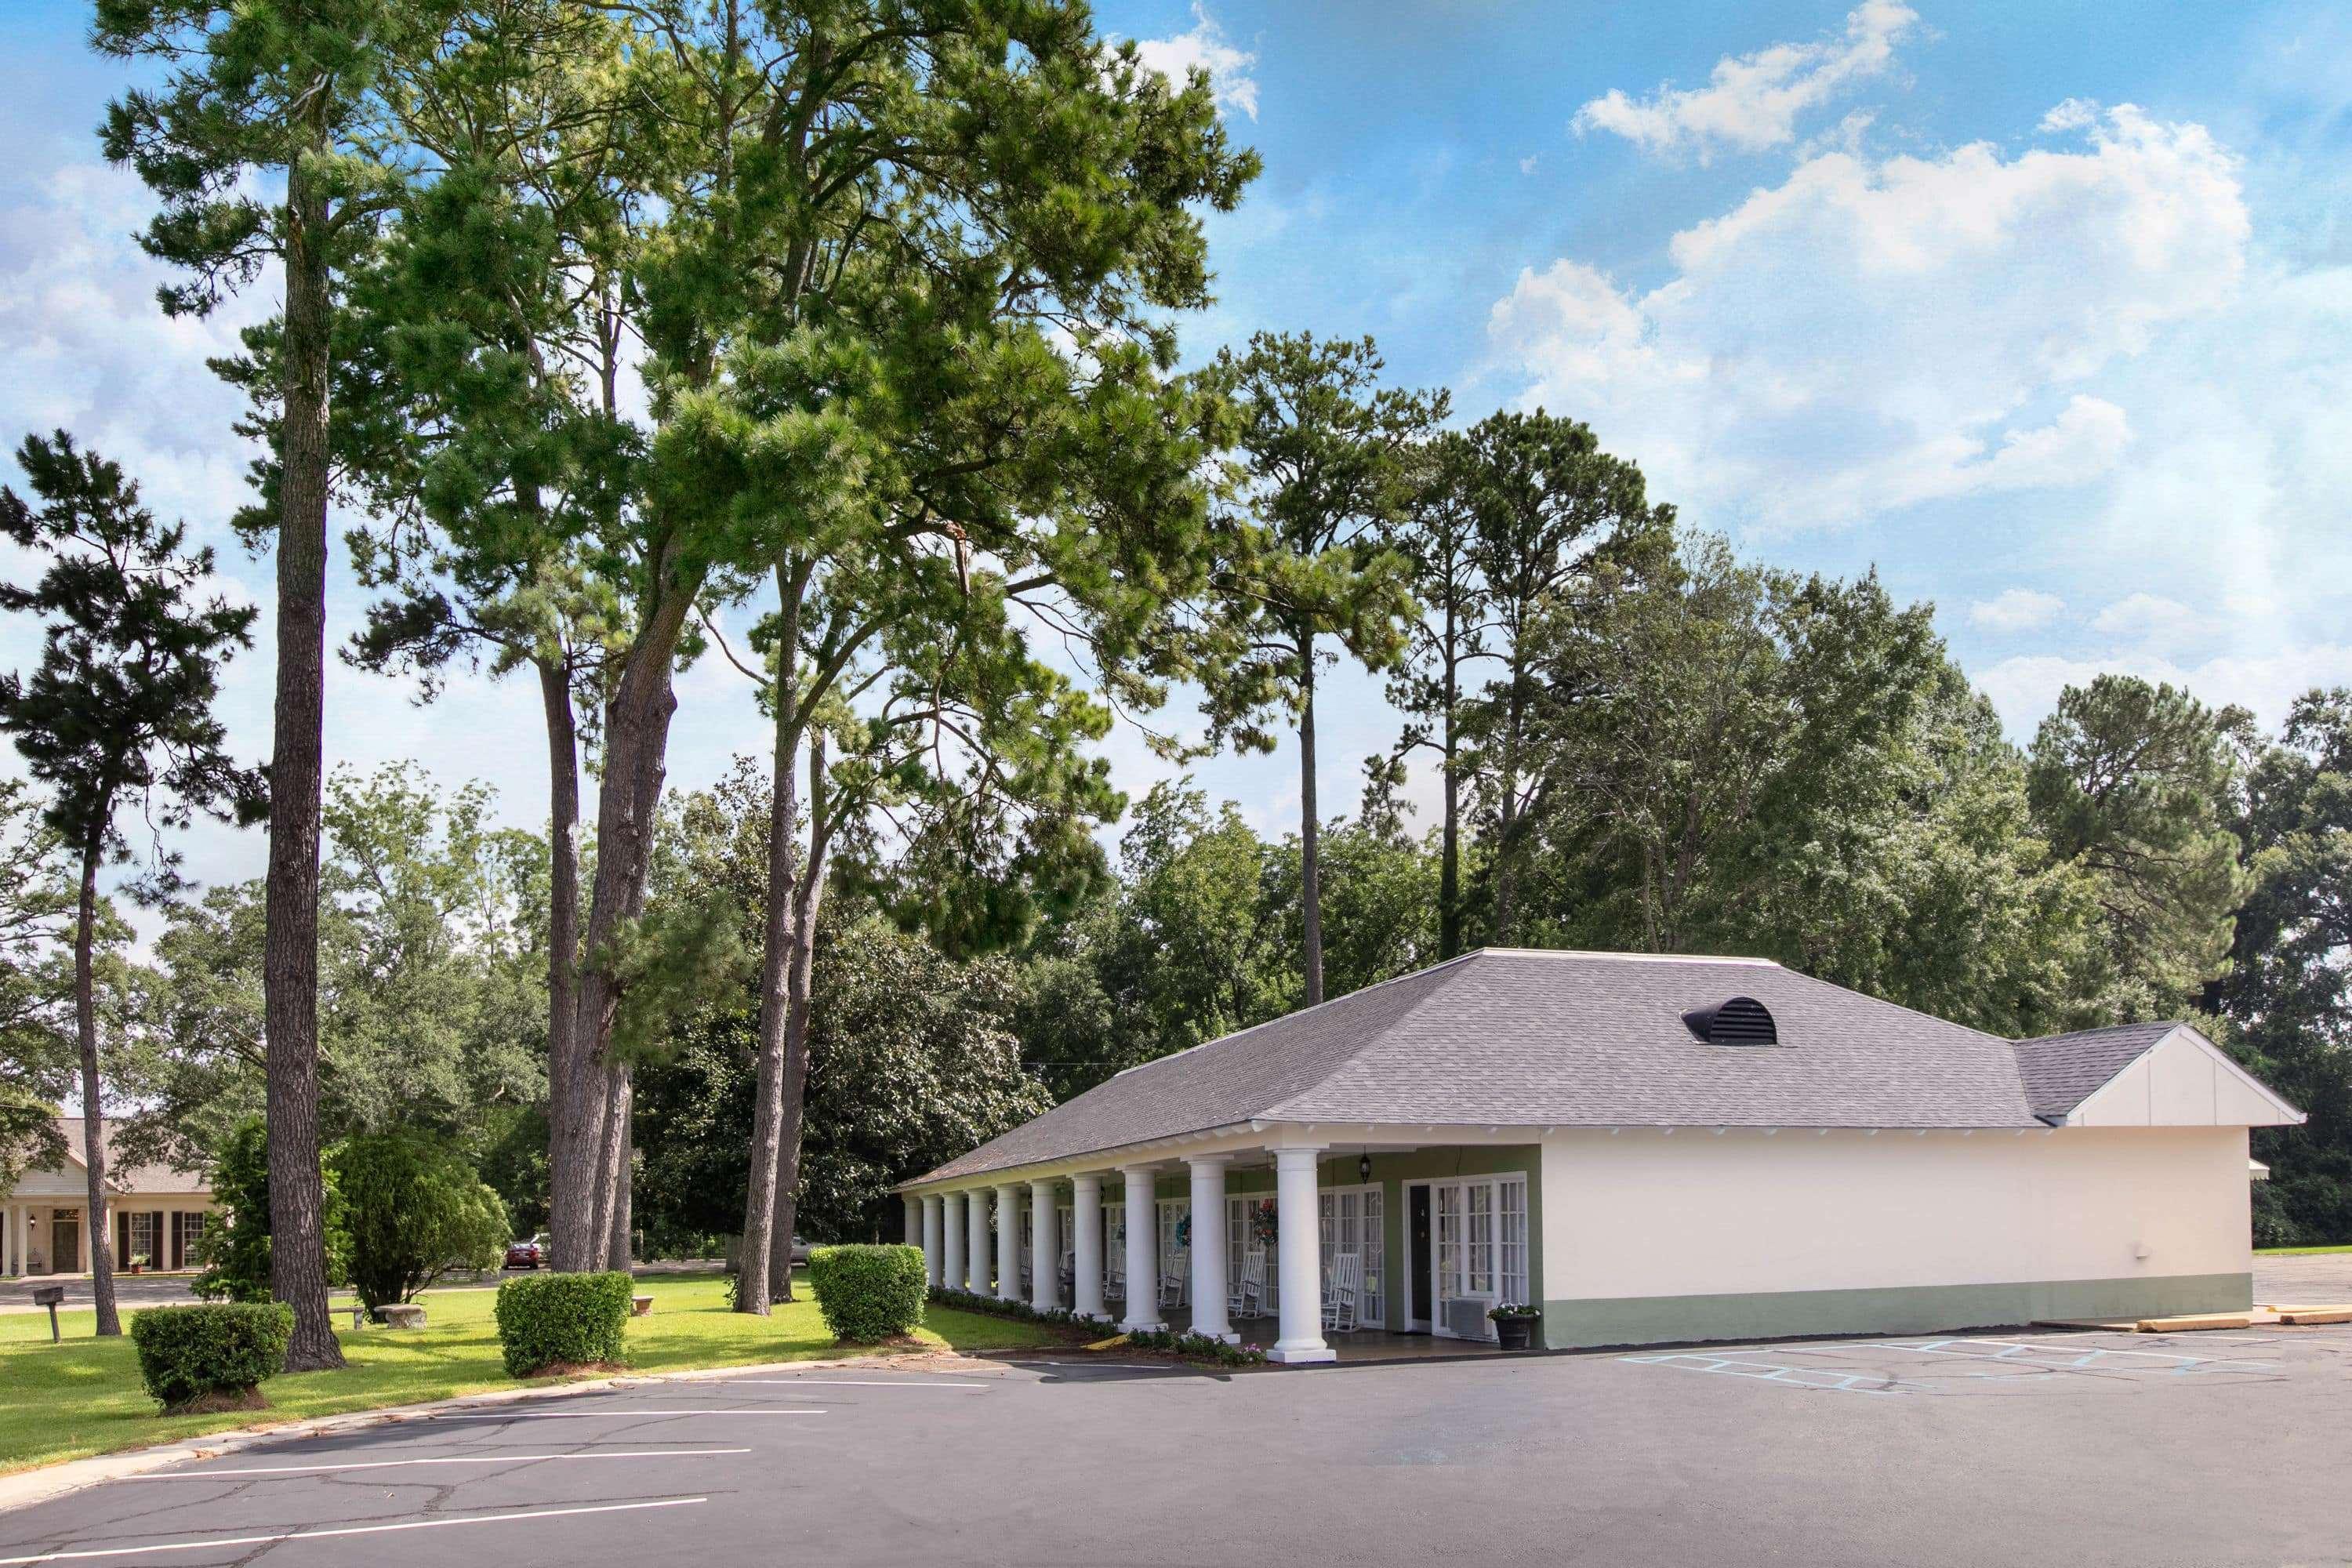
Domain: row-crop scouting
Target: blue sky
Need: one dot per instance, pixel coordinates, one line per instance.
(2043, 312)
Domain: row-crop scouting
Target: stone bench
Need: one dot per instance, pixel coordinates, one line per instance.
(403, 1315)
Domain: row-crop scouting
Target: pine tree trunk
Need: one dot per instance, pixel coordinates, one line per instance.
(784, 886)
(297, 1251)
(1310, 828)
(800, 975)
(563, 886)
(621, 1252)
(613, 1168)
(1449, 862)
(636, 743)
(93, 1106)
(1506, 830)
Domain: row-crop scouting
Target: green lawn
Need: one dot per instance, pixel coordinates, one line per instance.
(2298, 1251)
(82, 1397)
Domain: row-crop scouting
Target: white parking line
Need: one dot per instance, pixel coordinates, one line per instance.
(342, 1530)
(840, 1383)
(607, 1414)
(458, 1459)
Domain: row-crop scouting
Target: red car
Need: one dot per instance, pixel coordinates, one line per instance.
(531, 1253)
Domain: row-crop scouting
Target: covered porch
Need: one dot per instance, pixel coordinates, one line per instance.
(45, 1236)
(1320, 1244)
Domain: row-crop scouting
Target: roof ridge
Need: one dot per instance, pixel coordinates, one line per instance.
(1629, 957)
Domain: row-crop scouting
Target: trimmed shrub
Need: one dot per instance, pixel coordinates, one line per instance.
(868, 1294)
(562, 1320)
(211, 1357)
(416, 1211)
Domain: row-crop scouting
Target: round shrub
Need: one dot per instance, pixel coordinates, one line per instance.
(416, 1211)
(562, 1320)
(868, 1294)
(211, 1357)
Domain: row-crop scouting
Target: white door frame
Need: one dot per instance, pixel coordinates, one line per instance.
(1413, 1325)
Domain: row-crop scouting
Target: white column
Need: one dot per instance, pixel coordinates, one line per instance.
(976, 1273)
(951, 1240)
(914, 1206)
(932, 1220)
(1085, 1247)
(1298, 1225)
(1044, 1248)
(1008, 1243)
(1142, 1252)
(1209, 1304)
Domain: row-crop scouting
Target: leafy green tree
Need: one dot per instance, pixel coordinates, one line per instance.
(1431, 684)
(1380, 900)
(249, 96)
(912, 1062)
(1743, 761)
(1556, 526)
(38, 1048)
(2287, 993)
(416, 1211)
(2134, 783)
(234, 1252)
(1327, 468)
(118, 713)
(432, 1010)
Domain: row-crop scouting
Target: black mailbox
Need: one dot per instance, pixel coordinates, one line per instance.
(49, 1296)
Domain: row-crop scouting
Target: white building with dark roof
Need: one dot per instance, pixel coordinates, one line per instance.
(157, 1213)
(1653, 1149)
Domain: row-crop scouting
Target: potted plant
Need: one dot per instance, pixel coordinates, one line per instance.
(1515, 1324)
(138, 1263)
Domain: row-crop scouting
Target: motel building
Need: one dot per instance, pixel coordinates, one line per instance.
(157, 1213)
(1653, 1149)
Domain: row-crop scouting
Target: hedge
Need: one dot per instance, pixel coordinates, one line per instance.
(562, 1320)
(868, 1294)
(194, 1356)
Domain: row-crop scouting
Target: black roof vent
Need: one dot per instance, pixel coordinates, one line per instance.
(1742, 1021)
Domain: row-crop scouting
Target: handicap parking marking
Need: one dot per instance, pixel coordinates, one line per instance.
(2102, 1358)
(1818, 1377)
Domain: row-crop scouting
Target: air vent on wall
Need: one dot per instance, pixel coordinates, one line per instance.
(1742, 1021)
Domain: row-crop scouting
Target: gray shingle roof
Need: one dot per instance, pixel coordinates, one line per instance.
(1514, 1037)
(2061, 1071)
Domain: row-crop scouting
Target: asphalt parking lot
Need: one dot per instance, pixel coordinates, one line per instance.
(2009, 1449)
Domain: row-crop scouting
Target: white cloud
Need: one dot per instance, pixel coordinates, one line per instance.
(2150, 618)
(1868, 335)
(2025, 689)
(2016, 610)
(1752, 102)
(1206, 47)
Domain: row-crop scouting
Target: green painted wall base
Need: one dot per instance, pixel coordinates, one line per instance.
(1901, 1309)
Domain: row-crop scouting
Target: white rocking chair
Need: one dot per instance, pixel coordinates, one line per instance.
(1246, 1297)
(1342, 1293)
(1172, 1287)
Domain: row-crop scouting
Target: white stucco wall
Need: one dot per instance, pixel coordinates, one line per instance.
(1640, 1214)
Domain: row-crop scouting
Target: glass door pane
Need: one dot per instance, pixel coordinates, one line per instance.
(1482, 1239)
(1514, 1196)
(1374, 1224)
(1449, 1242)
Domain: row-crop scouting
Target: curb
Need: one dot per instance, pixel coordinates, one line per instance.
(35, 1486)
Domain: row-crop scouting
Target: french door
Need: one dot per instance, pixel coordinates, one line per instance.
(1354, 1219)
(1480, 1258)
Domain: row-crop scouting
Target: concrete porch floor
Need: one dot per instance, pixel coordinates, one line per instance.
(1360, 1346)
